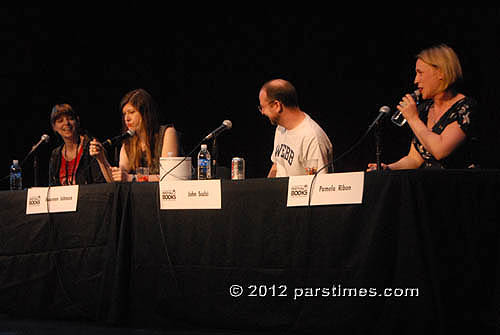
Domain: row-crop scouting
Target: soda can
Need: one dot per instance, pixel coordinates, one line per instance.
(237, 168)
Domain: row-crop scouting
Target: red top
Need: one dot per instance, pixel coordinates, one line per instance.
(67, 172)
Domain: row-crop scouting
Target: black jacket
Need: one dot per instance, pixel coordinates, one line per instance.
(87, 172)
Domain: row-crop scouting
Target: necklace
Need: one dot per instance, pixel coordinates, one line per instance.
(432, 119)
(75, 161)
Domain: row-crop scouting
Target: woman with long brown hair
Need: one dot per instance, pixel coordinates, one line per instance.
(150, 142)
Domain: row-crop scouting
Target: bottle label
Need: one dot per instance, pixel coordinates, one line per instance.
(203, 163)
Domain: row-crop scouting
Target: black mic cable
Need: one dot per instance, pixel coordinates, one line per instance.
(226, 125)
(384, 110)
(182, 160)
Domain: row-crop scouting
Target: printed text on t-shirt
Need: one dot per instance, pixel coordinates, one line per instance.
(285, 152)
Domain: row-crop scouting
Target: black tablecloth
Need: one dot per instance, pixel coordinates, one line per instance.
(120, 259)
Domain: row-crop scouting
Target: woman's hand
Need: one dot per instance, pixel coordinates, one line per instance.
(119, 174)
(373, 167)
(408, 107)
(96, 149)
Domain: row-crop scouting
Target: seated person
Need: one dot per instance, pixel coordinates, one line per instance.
(70, 163)
(150, 142)
(443, 125)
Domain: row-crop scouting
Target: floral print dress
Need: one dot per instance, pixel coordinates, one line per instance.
(464, 112)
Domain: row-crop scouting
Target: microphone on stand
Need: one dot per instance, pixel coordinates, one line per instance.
(44, 139)
(117, 139)
(226, 125)
(383, 111)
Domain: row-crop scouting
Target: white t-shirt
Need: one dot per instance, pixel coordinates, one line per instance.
(293, 147)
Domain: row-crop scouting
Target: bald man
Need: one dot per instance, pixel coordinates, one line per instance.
(298, 138)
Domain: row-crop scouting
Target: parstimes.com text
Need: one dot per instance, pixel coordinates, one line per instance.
(334, 291)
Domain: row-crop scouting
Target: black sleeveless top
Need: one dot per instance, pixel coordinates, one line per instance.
(154, 168)
(464, 156)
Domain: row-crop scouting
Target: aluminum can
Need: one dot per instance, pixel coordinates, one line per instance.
(237, 168)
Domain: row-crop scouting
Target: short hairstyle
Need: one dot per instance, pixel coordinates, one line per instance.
(63, 109)
(283, 91)
(446, 60)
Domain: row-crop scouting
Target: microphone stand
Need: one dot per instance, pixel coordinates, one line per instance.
(33, 152)
(215, 154)
(35, 169)
(378, 144)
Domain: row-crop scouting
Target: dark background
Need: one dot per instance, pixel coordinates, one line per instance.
(203, 69)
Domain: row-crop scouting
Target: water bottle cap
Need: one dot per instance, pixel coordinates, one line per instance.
(203, 147)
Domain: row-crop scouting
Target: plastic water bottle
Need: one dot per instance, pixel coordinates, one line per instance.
(204, 163)
(16, 178)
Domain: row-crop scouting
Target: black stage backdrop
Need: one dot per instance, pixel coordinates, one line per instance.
(206, 68)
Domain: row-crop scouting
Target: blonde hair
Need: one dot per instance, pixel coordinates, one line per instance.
(444, 59)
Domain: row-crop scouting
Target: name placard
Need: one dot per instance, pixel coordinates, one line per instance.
(190, 194)
(328, 189)
(54, 199)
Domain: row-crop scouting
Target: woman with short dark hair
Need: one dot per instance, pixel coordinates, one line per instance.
(70, 163)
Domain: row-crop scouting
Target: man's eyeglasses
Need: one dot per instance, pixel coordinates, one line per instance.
(260, 108)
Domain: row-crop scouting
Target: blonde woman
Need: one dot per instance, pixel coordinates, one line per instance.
(443, 125)
(150, 142)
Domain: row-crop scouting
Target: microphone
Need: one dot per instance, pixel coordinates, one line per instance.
(117, 139)
(397, 118)
(44, 139)
(383, 111)
(226, 125)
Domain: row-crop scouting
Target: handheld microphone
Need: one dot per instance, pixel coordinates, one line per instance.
(226, 125)
(117, 139)
(397, 118)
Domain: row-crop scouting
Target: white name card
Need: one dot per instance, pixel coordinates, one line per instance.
(54, 199)
(328, 189)
(190, 194)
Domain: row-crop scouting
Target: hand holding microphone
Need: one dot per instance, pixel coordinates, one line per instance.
(96, 148)
(407, 108)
